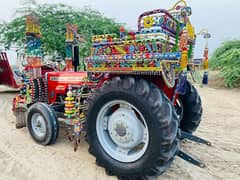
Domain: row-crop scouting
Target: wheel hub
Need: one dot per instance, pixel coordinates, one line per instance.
(125, 129)
(38, 125)
(122, 132)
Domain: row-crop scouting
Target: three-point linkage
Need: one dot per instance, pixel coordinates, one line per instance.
(186, 156)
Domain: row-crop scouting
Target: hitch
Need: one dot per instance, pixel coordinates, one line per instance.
(187, 157)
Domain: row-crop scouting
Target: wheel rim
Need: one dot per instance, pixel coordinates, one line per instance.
(38, 125)
(168, 75)
(122, 131)
(179, 109)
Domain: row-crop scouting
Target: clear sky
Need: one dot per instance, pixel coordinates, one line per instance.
(220, 17)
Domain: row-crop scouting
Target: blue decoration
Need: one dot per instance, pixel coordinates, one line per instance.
(182, 84)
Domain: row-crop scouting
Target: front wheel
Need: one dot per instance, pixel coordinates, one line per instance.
(42, 124)
(132, 128)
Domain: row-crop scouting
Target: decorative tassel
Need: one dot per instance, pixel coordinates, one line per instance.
(205, 67)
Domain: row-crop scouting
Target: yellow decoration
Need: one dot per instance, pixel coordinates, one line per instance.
(71, 29)
(134, 65)
(69, 36)
(35, 28)
(145, 69)
(205, 64)
(184, 60)
(38, 29)
(82, 115)
(148, 22)
(29, 27)
(92, 50)
(191, 31)
(69, 111)
(120, 49)
(76, 121)
(103, 65)
(77, 129)
(177, 4)
(69, 105)
(32, 24)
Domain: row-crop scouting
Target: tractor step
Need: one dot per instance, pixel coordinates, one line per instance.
(186, 156)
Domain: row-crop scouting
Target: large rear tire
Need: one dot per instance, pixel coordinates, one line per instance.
(191, 109)
(126, 109)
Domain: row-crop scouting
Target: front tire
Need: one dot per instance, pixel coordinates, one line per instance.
(130, 109)
(43, 124)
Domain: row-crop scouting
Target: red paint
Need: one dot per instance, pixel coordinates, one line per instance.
(121, 29)
(133, 35)
(46, 69)
(158, 81)
(6, 74)
(58, 83)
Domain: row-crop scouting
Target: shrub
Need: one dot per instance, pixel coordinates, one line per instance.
(227, 59)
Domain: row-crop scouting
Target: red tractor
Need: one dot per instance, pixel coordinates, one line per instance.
(134, 101)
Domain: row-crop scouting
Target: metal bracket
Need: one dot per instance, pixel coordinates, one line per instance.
(186, 156)
(194, 138)
(190, 159)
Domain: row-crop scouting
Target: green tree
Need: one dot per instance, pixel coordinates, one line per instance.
(53, 19)
(227, 59)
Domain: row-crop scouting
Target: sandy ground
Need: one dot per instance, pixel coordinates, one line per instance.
(22, 159)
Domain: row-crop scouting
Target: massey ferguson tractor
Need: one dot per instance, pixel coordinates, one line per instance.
(134, 103)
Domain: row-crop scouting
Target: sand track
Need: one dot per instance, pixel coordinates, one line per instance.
(22, 159)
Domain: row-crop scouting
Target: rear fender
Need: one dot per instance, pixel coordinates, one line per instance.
(156, 79)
